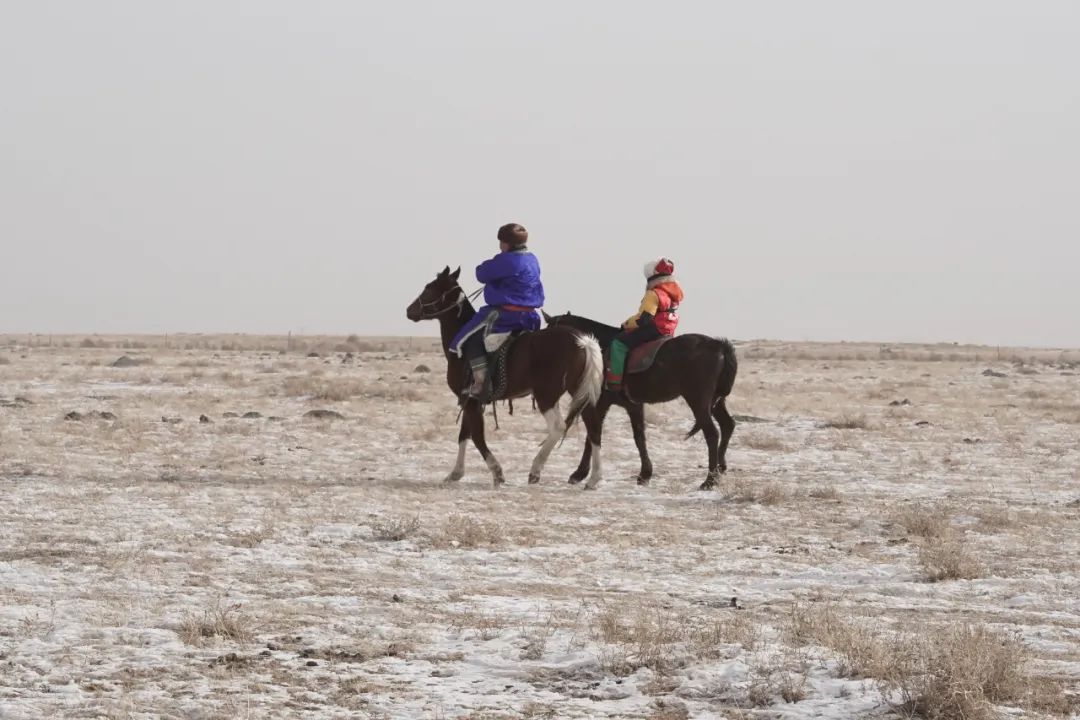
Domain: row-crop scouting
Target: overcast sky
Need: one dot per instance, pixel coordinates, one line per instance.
(828, 170)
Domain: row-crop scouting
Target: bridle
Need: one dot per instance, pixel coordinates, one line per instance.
(457, 304)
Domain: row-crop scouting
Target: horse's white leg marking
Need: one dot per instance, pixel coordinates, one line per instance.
(496, 469)
(556, 426)
(459, 467)
(597, 469)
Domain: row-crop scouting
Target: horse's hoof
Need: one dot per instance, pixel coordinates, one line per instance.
(589, 487)
(709, 484)
(575, 479)
(534, 479)
(451, 479)
(642, 481)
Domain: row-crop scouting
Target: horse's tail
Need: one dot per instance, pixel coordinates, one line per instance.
(729, 366)
(591, 383)
(727, 370)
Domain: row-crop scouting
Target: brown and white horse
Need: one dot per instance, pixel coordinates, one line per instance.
(545, 364)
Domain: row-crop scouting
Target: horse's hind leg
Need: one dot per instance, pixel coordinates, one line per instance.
(601, 410)
(556, 427)
(637, 424)
(703, 416)
(582, 471)
(474, 416)
(727, 427)
(459, 467)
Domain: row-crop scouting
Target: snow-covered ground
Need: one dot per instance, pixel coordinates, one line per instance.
(282, 566)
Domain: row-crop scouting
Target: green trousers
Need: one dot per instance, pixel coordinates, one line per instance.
(619, 351)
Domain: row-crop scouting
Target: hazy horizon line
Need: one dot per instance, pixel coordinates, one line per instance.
(4, 336)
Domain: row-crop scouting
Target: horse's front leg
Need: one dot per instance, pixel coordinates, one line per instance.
(637, 424)
(474, 416)
(458, 471)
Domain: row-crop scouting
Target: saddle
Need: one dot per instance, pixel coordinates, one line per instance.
(643, 356)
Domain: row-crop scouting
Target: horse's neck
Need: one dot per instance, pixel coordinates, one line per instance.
(603, 333)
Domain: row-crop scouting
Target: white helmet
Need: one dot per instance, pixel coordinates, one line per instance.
(660, 266)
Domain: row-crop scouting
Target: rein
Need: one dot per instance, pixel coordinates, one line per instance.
(425, 315)
(457, 304)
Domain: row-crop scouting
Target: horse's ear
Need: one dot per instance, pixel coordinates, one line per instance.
(445, 272)
(547, 318)
(456, 274)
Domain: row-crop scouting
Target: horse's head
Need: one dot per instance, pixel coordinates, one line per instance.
(439, 296)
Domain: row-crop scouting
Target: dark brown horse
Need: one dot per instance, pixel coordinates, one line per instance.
(545, 364)
(698, 368)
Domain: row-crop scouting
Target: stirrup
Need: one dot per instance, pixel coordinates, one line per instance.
(472, 393)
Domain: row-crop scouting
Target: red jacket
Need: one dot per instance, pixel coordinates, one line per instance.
(662, 302)
(667, 313)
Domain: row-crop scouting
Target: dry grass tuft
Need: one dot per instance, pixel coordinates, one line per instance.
(38, 627)
(995, 519)
(233, 379)
(848, 422)
(776, 677)
(922, 521)
(398, 390)
(714, 637)
(216, 621)
(825, 492)
(1048, 695)
(769, 493)
(253, 537)
(318, 388)
(536, 638)
(484, 625)
(957, 673)
(645, 635)
(467, 532)
(859, 648)
(759, 441)
(539, 711)
(948, 558)
(395, 527)
(669, 709)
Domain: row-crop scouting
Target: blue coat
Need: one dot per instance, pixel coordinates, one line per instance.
(509, 278)
(512, 278)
